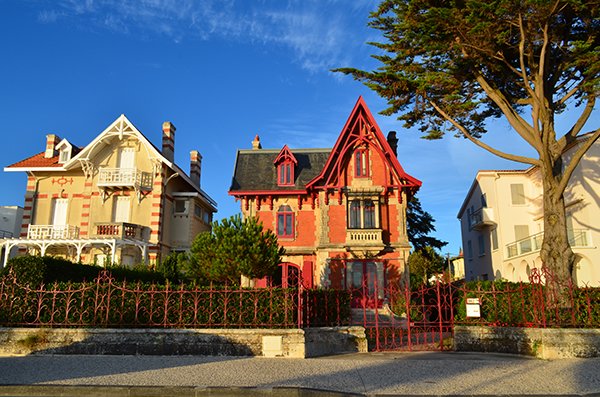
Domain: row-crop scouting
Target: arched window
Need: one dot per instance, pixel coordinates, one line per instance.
(361, 163)
(285, 222)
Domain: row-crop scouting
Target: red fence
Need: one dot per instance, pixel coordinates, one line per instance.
(106, 303)
(395, 317)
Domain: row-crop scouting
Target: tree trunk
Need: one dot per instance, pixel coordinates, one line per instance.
(556, 253)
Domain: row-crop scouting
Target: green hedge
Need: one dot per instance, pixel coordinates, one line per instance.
(522, 304)
(35, 270)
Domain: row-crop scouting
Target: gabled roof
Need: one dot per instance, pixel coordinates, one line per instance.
(285, 154)
(360, 128)
(119, 128)
(255, 170)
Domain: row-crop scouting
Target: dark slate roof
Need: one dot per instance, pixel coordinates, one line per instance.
(255, 171)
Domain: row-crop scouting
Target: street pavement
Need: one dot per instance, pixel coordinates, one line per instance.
(402, 374)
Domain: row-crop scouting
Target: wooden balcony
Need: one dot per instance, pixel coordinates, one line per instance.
(125, 178)
(364, 237)
(52, 232)
(123, 231)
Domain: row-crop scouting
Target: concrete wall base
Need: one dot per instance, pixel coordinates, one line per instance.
(292, 343)
(547, 343)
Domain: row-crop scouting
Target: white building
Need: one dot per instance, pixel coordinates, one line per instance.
(502, 221)
(11, 218)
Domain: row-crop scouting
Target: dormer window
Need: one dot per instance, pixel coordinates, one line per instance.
(361, 163)
(285, 174)
(64, 149)
(285, 163)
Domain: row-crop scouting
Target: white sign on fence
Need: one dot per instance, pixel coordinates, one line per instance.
(473, 307)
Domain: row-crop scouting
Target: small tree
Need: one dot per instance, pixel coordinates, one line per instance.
(233, 248)
(424, 263)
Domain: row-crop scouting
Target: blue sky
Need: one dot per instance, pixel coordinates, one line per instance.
(222, 72)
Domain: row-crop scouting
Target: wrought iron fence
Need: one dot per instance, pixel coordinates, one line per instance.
(108, 303)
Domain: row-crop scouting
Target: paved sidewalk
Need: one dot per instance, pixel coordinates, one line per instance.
(430, 373)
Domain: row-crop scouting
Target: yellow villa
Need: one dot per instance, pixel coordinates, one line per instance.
(119, 199)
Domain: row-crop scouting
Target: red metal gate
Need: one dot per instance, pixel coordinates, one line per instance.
(408, 319)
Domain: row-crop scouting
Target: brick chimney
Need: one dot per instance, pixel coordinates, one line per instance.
(51, 142)
(195, 167)
(393, 141)
(168, 141)
(256, 143)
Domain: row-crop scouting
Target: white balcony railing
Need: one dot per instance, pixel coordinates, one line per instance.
(52, 232)
(481, 218)
(364, 237)
(125, 177)
(578, 238)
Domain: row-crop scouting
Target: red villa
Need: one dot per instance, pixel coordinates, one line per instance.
(340, 213)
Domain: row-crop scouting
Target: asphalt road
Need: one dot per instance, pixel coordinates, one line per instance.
(430, 373)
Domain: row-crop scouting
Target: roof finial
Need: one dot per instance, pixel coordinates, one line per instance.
(256, 143)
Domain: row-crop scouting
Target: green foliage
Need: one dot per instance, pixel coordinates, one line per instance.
(462, 60)
(423, 264)
(171, 266)
(35, 270)
(505, 303)
(233, 248)
(419, 224)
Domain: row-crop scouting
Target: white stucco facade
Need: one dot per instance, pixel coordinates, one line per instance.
(502, 222)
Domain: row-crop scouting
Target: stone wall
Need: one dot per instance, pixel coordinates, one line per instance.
(547, 343)
(293, 343)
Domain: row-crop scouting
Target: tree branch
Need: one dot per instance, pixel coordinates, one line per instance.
(579, 124)
(499, 153)
(574, 162)
(515, 120)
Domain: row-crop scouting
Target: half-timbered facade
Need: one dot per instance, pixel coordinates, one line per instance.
(119, 199)
(340, 212)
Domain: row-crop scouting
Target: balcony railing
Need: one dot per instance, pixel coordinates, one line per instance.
(52, 232)
(125, 177)
(481, 218)
(120, 231)
(578, 238)
(364, 237)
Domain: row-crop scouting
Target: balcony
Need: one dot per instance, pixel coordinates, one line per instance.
(52, 232)
(578, 238)
(364, 237)
(482, 218)
(123, 231)
(125, 177)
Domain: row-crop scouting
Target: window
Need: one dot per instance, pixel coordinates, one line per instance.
(207, 216)
(469, 250)
(285, 222)
(517, 194)
(121, 209)
(65, 155)
(483, 201)
(198, 211)
(180, 206)
(494, 239)
(362, 214)
(285, 174)
(361, 163)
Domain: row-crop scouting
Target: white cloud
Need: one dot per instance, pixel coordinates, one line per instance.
(320, 34)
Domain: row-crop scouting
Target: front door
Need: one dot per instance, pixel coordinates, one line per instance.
(366, 279)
